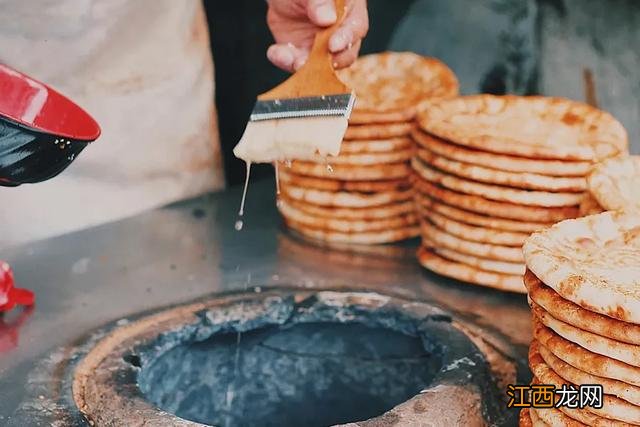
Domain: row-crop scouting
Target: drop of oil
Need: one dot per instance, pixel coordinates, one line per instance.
(329, 168)
(275, 165)
(239, 225)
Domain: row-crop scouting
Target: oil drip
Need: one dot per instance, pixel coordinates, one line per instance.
(275, 165)
(239, 223)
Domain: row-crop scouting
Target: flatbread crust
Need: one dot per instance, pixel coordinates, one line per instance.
(615, 184)
(485, 206)
(502, 162)
(376, 146)
(502, 267)
(589, 205)
(553, 417)
(365, 238)
(524, 420)
(367, 159)
(376, 131)
(364, 214)
(495, 192)
(395, 83)
(352, 173)
(593, 262)
(288, 178)
(584, 359)
(484, 250)
(536, 127)
(465, 273)
(577, 316)
(521, 180)
(479, 220)
(345, 199)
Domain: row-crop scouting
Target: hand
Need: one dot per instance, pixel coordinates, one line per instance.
(294, 24)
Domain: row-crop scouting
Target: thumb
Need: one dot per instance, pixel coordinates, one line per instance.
(322, 12)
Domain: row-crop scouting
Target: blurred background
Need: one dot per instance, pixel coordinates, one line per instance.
(588, 50)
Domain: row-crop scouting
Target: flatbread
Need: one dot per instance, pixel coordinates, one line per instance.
(613, 407)
(485, 206)
(367, 238)
(364, 118)
(577, 316)
(535, 127)
(379, 131)
(397, 81)
(584, 359)
(616, 388)
(476, 234)
(615, 184)
(502, 267)
(344, 225)
(465, 273)
(495, 192)
(376, 146)
(344, 199)
(521, 180)
(288, 178)
(592, 261)
(627, 353)
(484, 250)
(553, 417)
(535, 419)
(479, 219)
(367, 159)
(352, 173)
(373, 213)
(502, 162)
(525, 420)
(589, 205)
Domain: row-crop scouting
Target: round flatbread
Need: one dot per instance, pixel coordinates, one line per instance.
(344, 199)
(352, 173)
(366, 238)
(366, 159)
(583, 359)
(465, 273)
(525, 420)
(589, 205)
(476, 234)
(502, 267)
(379, 131)
(592, 261)
(552, 417)
(484, 250)
(479, 219)
(485, 206)
(344, 225)
(616, 388)
(615, 184)
(627, 353)
(502, 162)
(288, 178)
(522, 180)
(365, 214)
(396, 82)
(495, 192)
(613, 407)
(577, 316)
(535, 127)
(376, 146)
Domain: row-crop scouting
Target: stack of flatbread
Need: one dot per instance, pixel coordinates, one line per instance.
(491, 170)
(364, 195)
(583, 282)
(614, 185)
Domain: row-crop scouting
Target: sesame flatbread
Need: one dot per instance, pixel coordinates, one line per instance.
(577, 316)
(522, 180)
(352, 172)
(535, 127)
(484, 206)
(396, 82)
(615, 184)
(525, 420)
(343, 198)
(592, 261)
(379, 131)
(502, 162)
(465, 273)
(484, 250)
(365, 238)
(495, 192)
(367, 159)
(589, 205)
(502, 267)
(376, 146)
(290, 213)
(584, 359)
(553, 417)
(365, 214)
(288, 178)
(480, 220)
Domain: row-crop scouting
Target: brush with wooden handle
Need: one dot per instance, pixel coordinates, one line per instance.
(306, 115)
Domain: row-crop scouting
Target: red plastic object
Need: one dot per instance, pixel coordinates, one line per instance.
(36, 106)
(10, 296)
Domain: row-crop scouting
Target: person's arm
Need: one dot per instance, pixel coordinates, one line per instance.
(294, 24)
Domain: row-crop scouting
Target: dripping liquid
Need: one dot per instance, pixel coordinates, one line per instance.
(239, 222)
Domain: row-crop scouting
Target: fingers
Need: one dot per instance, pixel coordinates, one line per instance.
(347, 56)
(345, 42)
(322, 12)
(287, 57)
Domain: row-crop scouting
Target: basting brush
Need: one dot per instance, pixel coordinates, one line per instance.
(306, 115)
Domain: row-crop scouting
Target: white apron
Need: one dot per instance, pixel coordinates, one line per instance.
(143, 69)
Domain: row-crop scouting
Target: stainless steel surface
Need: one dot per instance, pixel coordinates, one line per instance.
(182, 252)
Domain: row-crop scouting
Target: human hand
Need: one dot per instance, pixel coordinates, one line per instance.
(294, 24)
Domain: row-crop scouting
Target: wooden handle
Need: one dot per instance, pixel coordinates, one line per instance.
(317, 76)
